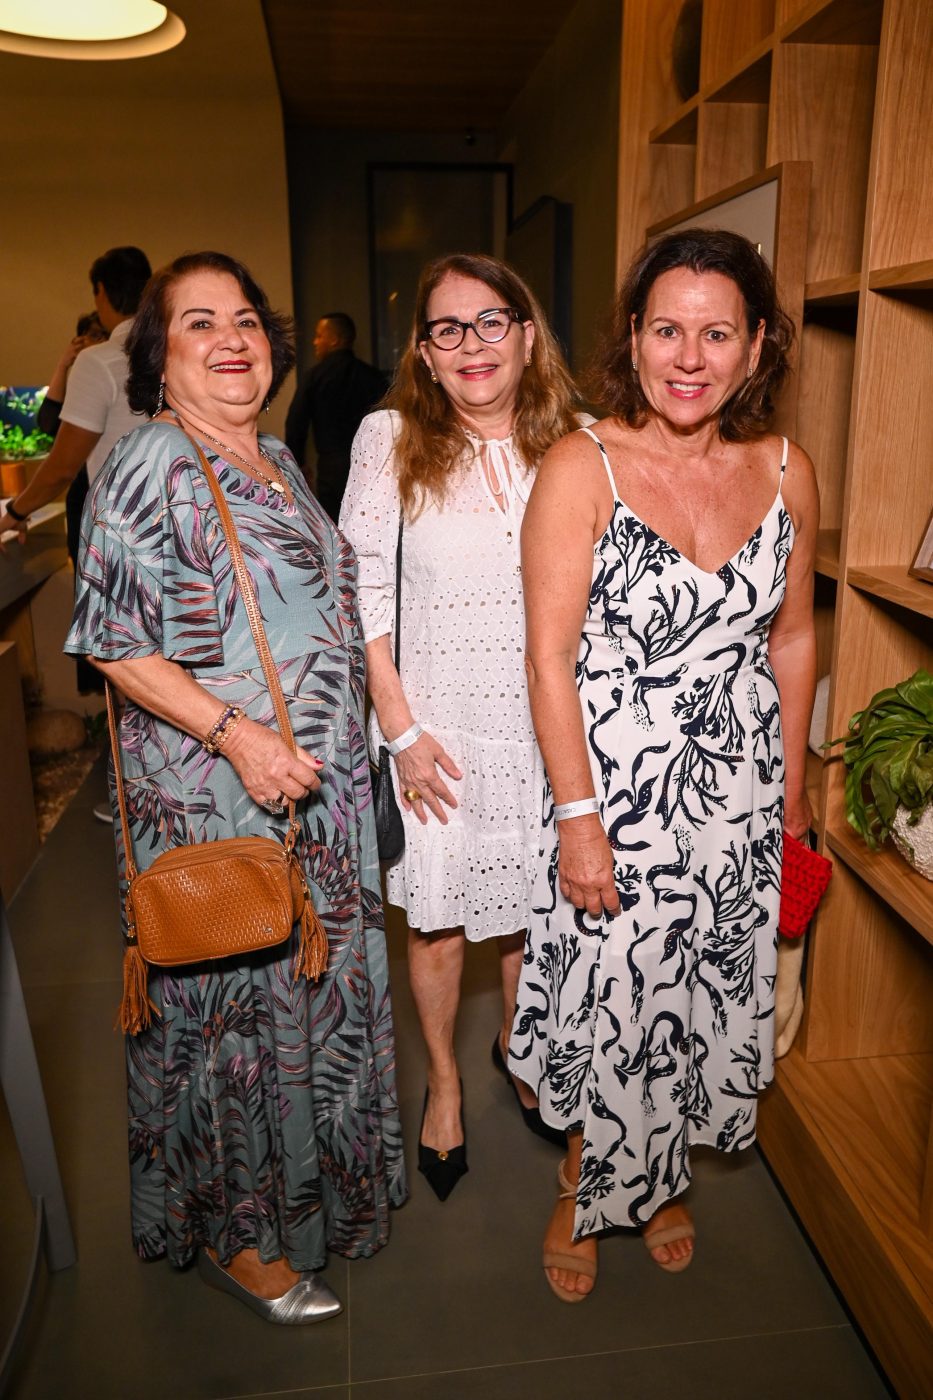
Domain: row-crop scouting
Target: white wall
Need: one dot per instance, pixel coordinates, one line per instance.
(184, 150)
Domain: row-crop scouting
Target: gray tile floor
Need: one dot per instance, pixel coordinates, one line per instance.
(456, 1306)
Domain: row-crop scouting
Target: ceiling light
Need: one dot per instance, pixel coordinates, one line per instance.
(93, 29)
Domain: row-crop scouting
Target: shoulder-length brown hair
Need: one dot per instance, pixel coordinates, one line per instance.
(431, 440)
(145, 345)
(615, 384)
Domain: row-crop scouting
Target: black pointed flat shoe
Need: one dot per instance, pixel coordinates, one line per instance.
(442, 1170)
(530, 1116)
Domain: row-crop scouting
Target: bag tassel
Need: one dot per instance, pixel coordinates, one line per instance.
(136, 1008)
(312, 947)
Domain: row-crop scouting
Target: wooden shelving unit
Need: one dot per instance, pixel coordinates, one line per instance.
(847, 86)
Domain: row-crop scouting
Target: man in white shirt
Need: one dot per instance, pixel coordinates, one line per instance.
(95, 414)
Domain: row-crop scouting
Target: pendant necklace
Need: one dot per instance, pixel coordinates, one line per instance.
(275, 483)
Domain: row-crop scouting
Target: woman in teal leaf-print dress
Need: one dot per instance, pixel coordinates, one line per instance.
(262, 1110)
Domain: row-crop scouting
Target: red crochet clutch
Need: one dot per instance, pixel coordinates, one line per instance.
(804, 877)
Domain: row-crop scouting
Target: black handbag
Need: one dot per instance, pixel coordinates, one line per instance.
(390, 830)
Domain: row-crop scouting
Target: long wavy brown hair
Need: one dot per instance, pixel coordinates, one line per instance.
(615, 385)
(432, 442)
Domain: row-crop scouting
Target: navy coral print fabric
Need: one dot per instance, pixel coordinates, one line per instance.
(654, 1031)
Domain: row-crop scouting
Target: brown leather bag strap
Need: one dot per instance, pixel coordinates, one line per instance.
(118, 775)
(247, 593)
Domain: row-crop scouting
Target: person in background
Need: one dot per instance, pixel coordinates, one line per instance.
(668, 559)
(332, 400)
(95, 413)
(88, 331)
(481, 392)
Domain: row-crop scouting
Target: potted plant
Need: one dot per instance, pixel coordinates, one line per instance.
(889, 779)
(18, 446)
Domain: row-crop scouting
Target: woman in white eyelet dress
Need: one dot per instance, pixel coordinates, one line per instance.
(481, 374)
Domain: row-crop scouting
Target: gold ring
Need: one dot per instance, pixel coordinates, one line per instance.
(412, 795)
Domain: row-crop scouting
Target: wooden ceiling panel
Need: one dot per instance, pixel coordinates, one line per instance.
(419, 65)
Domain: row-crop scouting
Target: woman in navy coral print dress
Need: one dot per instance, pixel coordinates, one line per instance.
(263, 1122)
(668, 570)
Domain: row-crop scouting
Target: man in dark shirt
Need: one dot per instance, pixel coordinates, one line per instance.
(332, 399)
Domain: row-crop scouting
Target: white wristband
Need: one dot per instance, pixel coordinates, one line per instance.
(405, 741)
(584, 808)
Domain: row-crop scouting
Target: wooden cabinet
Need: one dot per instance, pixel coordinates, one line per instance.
(846, 85)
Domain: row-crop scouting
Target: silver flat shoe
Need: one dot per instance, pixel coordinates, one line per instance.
(308, 1300)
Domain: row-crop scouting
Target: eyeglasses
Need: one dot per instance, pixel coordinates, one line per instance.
(492, 325)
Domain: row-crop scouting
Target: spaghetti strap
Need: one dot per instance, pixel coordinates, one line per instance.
(612, 481)
(784, 455)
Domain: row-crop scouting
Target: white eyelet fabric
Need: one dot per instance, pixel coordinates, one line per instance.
(462, 668)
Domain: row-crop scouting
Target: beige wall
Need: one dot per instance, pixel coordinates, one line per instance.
(561, 135)
(184, 150)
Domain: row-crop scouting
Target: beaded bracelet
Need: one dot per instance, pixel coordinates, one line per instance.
(583, 808)
(222, 729)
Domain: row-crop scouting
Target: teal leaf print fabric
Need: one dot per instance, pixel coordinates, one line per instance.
(262, 1111)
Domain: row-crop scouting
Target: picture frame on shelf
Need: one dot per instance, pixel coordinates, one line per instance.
(922, 567)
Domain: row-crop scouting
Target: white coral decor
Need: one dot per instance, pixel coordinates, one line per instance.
(915, 843)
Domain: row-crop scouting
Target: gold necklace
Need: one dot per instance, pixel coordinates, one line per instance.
(277, 484)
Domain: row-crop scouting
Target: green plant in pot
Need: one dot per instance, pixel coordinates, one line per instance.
(17, 445)
(889, 770)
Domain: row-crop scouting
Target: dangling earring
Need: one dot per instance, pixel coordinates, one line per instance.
(634, 365)
(433, 377)
(160, 401)
(528, 363)
(267, 404)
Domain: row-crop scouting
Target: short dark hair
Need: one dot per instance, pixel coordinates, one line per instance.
(146, 343)
(88, 322)
(122, 272)
(344, 325)
(615, 384)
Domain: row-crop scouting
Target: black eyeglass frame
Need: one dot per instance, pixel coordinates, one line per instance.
(465, 326)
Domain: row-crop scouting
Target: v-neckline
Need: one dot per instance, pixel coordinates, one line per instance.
(708, 573)
(273, 498)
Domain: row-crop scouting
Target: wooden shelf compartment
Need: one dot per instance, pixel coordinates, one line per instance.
(833, 291)
(680, 128)
(849, 1140)
(911, 277)
(827, 553)
(671, 180)
(894, 583)
(869, 982)
(892, 428)
(834, 22)
(730, 33)
(732, 138)
(748, 81)
(824, 401)
(822, 105)
(888, 874)
(814, 785)
(901, 215)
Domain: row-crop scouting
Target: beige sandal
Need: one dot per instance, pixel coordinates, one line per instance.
(654, 1239)
(554, 1259)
